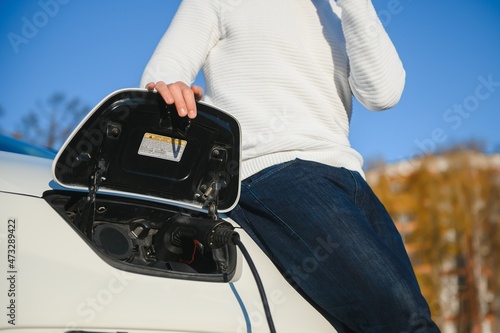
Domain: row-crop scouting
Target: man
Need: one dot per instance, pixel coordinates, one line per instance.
(287, 70)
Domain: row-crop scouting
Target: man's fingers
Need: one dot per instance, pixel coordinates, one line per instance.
(177, 90)
(164, 91)
(198, 92)
(189, 98)
(180, 94)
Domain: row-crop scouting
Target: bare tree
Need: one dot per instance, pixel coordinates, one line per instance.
(52, 121)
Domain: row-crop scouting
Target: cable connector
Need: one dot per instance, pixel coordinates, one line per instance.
(210, 233)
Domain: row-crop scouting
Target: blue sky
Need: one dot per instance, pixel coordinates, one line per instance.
(87, 49)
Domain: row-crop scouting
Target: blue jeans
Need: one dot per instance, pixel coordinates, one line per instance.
(333, 240)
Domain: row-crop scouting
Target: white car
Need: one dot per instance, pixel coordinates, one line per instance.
(124, 231)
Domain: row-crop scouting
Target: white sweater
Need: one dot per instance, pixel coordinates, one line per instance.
(286, 69)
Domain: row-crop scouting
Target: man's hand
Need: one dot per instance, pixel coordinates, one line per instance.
(180, 94)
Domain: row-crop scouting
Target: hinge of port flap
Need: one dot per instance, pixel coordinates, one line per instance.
(209, 188)
(113, 131)
(85, 218)
(96, 177)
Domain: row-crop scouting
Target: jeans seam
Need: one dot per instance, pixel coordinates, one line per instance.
(271, 212)
(356, 186)
(279, 219)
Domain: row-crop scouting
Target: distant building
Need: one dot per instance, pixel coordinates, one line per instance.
(447, 209)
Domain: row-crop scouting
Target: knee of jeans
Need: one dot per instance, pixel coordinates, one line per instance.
(403, 310)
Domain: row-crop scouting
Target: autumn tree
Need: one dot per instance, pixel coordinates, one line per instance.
(451, 202)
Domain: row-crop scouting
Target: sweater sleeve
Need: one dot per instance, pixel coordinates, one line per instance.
(182, 51)
(377, 76)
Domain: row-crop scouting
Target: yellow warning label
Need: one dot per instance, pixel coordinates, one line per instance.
(164, 147)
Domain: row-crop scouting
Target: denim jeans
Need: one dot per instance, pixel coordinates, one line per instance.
(333, 240)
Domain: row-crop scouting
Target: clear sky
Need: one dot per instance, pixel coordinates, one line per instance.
(87, 49)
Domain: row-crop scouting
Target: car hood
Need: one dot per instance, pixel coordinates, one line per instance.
(133, 144)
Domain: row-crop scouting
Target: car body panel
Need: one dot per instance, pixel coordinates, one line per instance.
(62, 285)
(24, 174)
